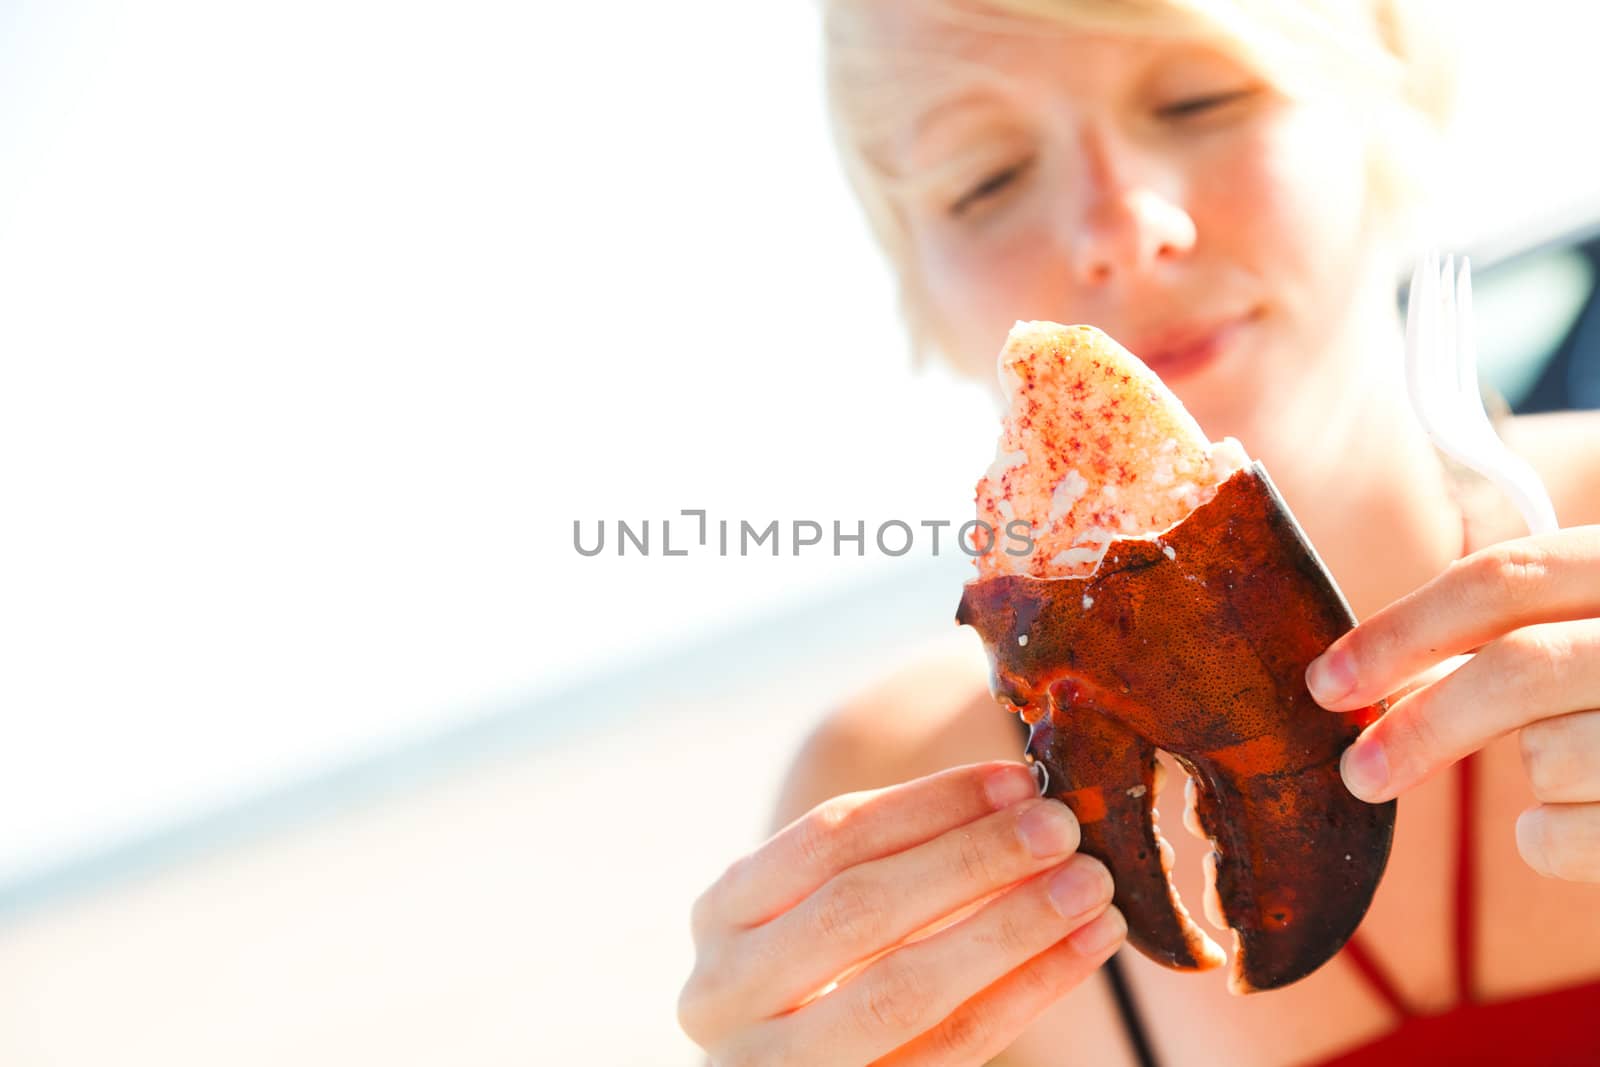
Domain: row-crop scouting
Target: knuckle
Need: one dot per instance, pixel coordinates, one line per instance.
(700, 915)
(964, 1034)
(703, 912)
(1373, 645)
(850, 910)
(711, 909)
(1538, 659)
(693, 1010)
(1511, 575)
(1376, 642)
(895, 998)
(1037, 983)
(819, 834)
(1413, 741)
(972, 861)
(1012, 937)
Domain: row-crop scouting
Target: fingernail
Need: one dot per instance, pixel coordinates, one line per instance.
(1048, 829)
(1530, 841)
(1331, 677)
(1365, 768)
(1106, 930)
(1005, 788)
(1079, 886)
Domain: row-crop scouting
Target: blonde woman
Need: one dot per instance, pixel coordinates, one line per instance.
(1226, 188)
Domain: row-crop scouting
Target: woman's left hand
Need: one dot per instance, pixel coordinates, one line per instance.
(1530, 608)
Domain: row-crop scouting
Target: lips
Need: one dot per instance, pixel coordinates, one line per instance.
(1188, 347)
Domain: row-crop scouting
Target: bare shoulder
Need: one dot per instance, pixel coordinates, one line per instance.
(929, 713)
(1564, 447)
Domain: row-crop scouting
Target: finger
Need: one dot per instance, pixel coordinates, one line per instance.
(985, 1025)
(876, 904)
(1561, 841)
(852, 829)
(1562, 757)
(913, 989)
(1532, 674)
(1552, 578)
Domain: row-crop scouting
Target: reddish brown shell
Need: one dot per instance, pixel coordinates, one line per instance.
(1196, 643)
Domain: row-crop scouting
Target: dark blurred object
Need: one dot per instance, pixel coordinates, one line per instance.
(1571, 376)
(1539, 321)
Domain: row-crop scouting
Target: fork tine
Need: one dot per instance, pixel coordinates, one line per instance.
(1442, 374)
(1438, 342)
(1442, 349)
(1428, 331)
(1444, 377)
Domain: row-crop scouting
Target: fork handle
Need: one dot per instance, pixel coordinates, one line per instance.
(1527, 491)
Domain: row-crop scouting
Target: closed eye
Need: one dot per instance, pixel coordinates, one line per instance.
(1197, 105)
(991, 185)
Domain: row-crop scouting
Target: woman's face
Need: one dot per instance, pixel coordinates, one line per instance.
(1157, 189)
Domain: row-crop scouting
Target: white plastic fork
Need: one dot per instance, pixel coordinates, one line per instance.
(1442, 378)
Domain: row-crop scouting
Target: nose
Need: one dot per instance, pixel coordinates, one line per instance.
(1126, 215)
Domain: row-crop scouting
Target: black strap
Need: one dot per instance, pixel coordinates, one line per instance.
(1128, 1008)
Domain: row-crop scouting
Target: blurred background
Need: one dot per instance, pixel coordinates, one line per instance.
(320, 326)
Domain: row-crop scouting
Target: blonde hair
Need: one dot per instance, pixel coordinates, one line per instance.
(1392, 55)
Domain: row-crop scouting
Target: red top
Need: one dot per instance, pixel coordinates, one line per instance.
(1554, 1029)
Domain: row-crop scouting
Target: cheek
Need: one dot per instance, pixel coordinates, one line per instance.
(1290, 208)
(1287, 210)
(978, 286)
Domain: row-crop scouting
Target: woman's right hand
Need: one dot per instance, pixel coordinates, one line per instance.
(806, 949)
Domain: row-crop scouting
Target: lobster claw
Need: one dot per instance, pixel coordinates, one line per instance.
(1196, 643)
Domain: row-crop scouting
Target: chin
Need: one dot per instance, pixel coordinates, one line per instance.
(1268, 395)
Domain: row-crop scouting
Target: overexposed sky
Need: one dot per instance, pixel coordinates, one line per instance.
(321, 322)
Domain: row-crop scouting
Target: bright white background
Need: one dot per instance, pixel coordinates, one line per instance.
(321, 322)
